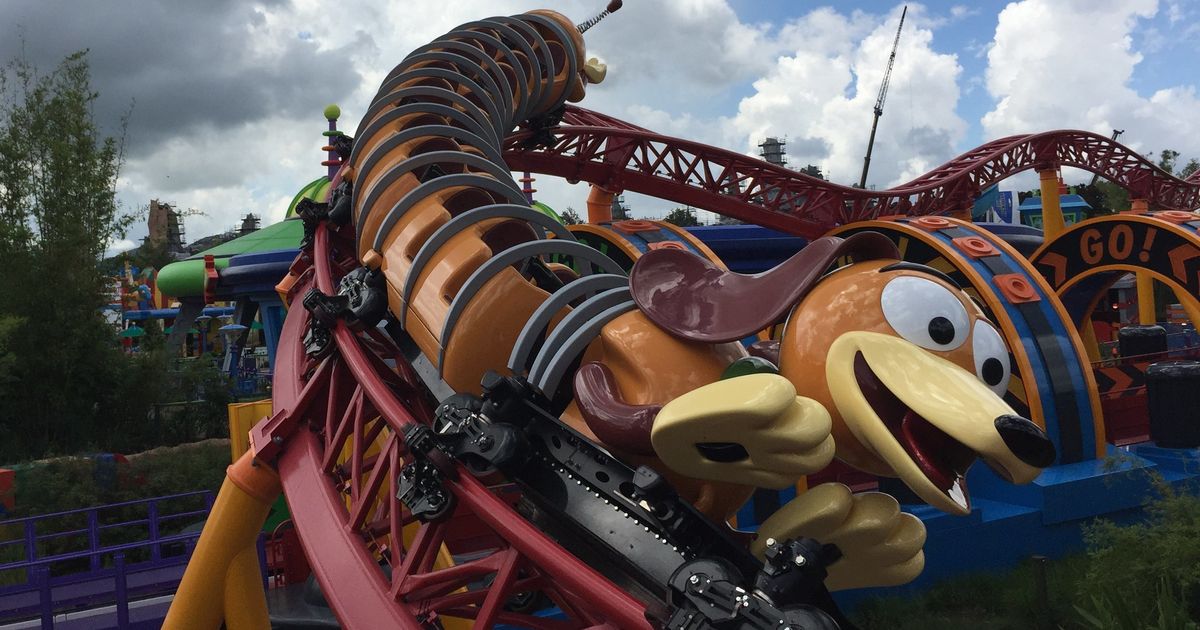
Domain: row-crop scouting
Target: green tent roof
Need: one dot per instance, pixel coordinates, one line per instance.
(547, 210)
(316, 190)
(186, 277)
(283, 235)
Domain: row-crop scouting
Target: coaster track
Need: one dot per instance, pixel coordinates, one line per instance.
(379, 564)
(619, 156)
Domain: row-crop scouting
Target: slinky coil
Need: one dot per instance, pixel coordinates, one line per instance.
(436, 209)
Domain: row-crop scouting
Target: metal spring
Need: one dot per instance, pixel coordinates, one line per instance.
(610, 9)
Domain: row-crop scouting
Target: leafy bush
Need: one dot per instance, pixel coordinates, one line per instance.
(1142, 573)
(1144, 576)
(166, 402)
(982, 601)
(1108, 611)
(78, 482)
(71, 483)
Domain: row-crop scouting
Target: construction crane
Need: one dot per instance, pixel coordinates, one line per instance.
(887, 77)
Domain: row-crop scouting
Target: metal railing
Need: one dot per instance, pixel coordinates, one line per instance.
(1183, 342)
(58, 574)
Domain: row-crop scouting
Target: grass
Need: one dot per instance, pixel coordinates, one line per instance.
(991, 601)
(1144, 576)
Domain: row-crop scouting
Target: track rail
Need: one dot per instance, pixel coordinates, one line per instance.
(619, 156)
(389, 569)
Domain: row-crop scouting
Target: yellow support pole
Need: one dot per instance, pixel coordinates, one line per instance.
(1088, 335)
(1145, 296)
(242, 418)
(599, 205)
(245, 603)
(1052, 216)
(225, 556)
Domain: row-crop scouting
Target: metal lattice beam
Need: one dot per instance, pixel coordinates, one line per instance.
(619, 156)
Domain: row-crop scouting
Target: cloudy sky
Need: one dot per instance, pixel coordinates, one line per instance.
(225, 96)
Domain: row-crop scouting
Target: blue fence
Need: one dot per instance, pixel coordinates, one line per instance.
(82, 559)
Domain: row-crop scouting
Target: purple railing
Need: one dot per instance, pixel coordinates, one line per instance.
(68, 562)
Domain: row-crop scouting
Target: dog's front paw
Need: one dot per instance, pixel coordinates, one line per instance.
(880, 545)
(752, 430)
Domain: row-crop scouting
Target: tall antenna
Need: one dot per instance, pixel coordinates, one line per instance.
(611, 8)
(887, 78)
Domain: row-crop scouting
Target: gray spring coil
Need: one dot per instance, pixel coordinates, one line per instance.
(466, 91)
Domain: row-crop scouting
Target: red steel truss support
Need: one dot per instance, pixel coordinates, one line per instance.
(340, 452)
(619, 156)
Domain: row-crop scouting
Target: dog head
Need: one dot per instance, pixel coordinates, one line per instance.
(909, 368)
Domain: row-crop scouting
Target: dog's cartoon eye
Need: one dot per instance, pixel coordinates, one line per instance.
(991, 357)
(925, 313)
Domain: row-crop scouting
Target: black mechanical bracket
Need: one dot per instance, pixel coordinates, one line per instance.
(312, 213)
(366, 294)
(706, 596)
(542, 128)
(421, 486)
(482, 446)
(317, 341)
(361, 300)
(339, 200)
(343, 145)
(630, 524)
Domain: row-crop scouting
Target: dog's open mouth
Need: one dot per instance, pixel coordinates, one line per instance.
(941, 458)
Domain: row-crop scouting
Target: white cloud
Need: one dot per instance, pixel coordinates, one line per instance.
(821, 95)
(672, 66)
(256, 167)
(685, 67)
(117, 246)
(1174, 12)
(1044, 77)
(960, 11)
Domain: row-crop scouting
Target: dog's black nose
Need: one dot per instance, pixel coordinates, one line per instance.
(1026, 440)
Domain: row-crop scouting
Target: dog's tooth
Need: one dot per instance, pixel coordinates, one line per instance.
(956, 493)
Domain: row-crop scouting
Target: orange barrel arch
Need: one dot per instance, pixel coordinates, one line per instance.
(1052, 380)
(626, 241)
(1085, 260)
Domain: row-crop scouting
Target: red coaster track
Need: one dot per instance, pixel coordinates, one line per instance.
(377, 562)
(619, 156)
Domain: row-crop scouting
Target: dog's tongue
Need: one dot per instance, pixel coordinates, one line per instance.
(934, 453)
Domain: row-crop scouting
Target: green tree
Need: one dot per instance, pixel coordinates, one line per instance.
(1095, 198)
(1193, 165)
(58, 213)
(150, 254)
(8, 363)
(1166, 160)
(1116, 198)
(570, 217)
(683, 217)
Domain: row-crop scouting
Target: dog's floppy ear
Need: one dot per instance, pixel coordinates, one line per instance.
(694, 299)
